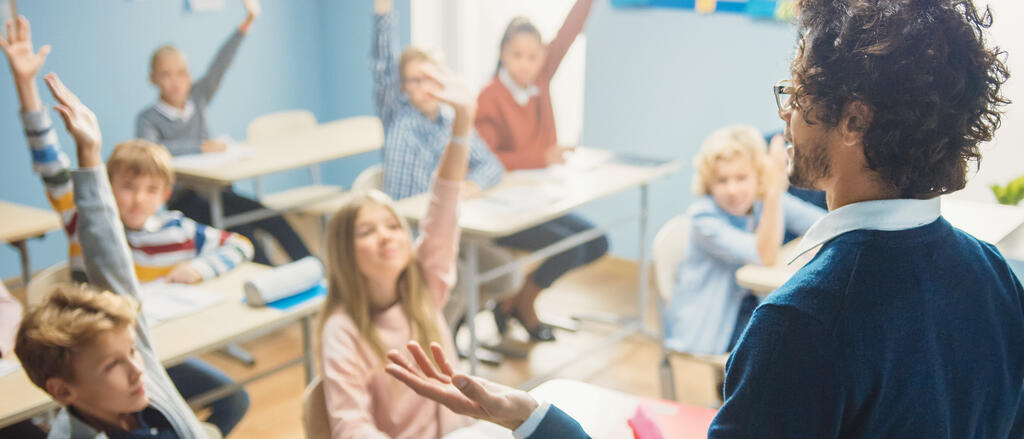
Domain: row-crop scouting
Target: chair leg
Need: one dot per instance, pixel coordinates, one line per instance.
(667, 378)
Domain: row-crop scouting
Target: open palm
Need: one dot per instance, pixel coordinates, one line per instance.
(79, 119)
(25, 62)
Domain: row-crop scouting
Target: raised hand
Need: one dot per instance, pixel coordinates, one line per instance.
(462, 394)
(24, 61)
(381, 7)
(777, 177)
(455, 92)
(80, 121)
(252, 12)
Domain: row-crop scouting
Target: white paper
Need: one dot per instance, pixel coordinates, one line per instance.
(162, 301)
(7, 367)
(516, 199)
(209, 160)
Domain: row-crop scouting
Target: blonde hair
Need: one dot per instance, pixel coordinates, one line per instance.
(727, 143)
(348, 291)
(161, 51)
(69, 318)
(141, 157)
(410, 55)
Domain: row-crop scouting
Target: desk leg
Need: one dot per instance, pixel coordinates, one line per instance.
(307, 348)
(26, 266)
(642, 288)
(473, 303)
(217, 208)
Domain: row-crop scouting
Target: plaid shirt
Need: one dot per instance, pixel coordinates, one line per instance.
(413, 143)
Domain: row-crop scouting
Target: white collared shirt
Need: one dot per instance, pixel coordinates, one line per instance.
(173, 113)
(885, 215)
(521, 95)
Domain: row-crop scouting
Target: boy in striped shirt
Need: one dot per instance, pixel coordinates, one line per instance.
(164, 244)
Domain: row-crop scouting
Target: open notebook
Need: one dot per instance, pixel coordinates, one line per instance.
(162, 301)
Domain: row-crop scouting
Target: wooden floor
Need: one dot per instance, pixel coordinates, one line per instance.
(608, 285)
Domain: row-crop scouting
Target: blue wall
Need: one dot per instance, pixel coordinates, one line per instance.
(311, 54)
(659, 80)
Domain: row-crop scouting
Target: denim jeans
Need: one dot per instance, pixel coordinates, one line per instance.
(195, 377)
(557, 229)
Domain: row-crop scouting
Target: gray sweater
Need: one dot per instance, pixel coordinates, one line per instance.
(108, 264)
(186, 136)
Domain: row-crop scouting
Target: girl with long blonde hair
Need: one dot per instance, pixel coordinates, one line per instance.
(384, 289)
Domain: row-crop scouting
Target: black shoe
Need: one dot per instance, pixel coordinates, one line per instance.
(500, 318)
(543, 332)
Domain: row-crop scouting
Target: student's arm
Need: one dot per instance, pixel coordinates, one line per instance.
(204, 89)
(405, 164)
(346, 378)
(484, 167)
(779, 382)
(385, 67)
(252, 11)
(770, 226)
(217, 252)
(47, 158)
(145, 129)
(560, 45)
(479, 398)
(724, 242)
(10, 319)
(799, 214)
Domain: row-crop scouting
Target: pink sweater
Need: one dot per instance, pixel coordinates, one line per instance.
(362, 400)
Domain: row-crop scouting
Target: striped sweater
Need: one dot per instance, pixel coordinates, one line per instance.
(166, 240)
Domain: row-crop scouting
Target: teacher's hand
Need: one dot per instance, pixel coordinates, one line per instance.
(466, 395)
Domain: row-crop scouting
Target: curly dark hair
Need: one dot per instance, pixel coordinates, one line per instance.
(921, 66)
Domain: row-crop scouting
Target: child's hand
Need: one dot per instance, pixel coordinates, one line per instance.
(381, 7)
(25, 63)
(252, 11)
(184, 274)
(470, 190)
(555, 155)
(454, 91)
(213, 146)
(81, 123)
(778, 166)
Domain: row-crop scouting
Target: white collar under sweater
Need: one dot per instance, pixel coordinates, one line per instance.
(885, 215)
(521, 95)
(173, 113)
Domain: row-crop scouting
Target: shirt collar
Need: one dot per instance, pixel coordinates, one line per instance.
(174, 113)
(886, 215)
(521, 95)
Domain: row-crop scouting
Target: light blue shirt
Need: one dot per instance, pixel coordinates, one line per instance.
(706, 300)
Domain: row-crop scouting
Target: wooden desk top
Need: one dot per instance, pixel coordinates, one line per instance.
(575, 188)
(18, 222)
(329, 141)
(174, 340)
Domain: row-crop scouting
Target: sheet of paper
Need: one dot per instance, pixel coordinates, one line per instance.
(516, 199)
(8, 366)
(234, 152)
(162, 301)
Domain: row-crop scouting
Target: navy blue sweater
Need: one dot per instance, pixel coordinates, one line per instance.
(913, 333)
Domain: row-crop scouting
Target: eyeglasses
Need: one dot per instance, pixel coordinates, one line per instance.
(783, 91)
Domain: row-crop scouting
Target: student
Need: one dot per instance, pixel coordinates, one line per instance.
(178, 121)
(516, 119)
(417, 127)
(901, 325)
(384, 290)
(164, 244)
(738, 219)
(85, 345)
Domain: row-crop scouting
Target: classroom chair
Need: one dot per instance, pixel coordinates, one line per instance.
(370, 178)
(42, 283)
(314, 411)
(669, 249)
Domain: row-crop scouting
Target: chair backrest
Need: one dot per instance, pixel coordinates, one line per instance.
(670, 245)
(314, 411)
(280, 123)
(42, 282)
(370, 178)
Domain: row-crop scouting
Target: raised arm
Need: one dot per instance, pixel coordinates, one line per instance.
(567, 34)
(385, 67)
(204, 89)
(770, 227)
(47, 158)
(439, 237)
